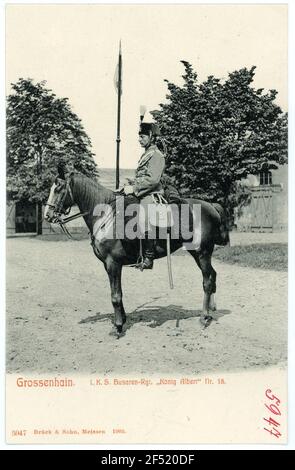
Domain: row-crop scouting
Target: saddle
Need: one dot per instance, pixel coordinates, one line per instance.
(160, 218)
(160, 213)
(171, 194)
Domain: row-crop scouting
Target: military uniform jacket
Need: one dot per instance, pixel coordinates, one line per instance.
(149, 172)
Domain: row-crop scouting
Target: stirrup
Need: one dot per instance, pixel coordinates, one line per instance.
(142, 265)
(138, 264)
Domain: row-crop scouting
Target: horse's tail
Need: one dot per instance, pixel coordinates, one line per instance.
(222, 237)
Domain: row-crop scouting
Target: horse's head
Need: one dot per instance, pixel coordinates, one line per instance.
(60, 198)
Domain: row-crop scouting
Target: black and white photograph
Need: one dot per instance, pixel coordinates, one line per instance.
(146, 223)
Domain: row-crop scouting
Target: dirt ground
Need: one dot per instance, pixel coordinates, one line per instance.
(59, 314)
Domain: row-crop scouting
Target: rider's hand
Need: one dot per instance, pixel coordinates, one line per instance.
(128, 189)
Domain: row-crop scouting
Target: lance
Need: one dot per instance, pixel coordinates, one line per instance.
(119, 91)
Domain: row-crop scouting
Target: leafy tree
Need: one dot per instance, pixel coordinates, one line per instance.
(42, 130)
(219, 132)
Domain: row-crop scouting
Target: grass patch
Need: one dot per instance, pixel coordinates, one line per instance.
(264, 256)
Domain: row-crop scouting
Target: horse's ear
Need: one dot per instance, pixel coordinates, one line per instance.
(61, 170)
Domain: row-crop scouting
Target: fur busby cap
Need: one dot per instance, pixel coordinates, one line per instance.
(148, 128)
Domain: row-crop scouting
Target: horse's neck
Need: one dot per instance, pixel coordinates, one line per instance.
(88, 195)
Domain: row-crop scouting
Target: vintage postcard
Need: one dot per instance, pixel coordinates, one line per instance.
(146, 224)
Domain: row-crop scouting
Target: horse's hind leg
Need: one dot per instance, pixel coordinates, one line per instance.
(212, 301)
(114, 271)
(203, 260)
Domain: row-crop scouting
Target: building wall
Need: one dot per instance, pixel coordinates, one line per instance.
(10, 218)
(76, 226)
(279, 191)
(280, 213)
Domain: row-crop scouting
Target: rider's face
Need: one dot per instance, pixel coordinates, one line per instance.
(144, 140)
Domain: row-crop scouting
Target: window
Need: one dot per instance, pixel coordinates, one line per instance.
(265, 177)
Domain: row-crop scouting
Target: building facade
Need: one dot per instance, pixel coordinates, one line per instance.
(268, 208)
(21, 219)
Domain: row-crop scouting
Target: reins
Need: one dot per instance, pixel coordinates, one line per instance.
(63, 221)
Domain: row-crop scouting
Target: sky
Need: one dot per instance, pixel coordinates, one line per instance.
(75, 49)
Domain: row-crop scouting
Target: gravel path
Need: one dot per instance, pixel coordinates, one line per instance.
(59, 314)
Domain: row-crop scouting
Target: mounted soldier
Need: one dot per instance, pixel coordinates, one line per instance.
(147, 183)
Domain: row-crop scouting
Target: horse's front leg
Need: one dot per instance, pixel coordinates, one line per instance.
(114, 270)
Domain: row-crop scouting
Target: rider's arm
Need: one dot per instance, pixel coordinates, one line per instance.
(149, 177)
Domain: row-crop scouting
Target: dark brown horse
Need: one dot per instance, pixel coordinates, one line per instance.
(116, 253)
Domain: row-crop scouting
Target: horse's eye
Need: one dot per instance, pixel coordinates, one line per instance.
(59, 185)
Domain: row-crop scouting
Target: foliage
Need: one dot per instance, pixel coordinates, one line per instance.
(42, 130)
(217, 132)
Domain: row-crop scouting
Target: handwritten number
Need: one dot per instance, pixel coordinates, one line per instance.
(273, 409)
(272, 397)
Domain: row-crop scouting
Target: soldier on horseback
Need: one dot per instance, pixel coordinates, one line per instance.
(146, 183)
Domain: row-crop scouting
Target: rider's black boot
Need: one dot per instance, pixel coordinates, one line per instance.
(148, 253)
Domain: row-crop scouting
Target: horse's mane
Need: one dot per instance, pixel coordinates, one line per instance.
(90, 190)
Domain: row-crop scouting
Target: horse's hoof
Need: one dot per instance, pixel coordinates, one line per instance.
(206, 320)
(116, 330)
(212, 303)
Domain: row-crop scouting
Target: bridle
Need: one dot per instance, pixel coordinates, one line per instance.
(59, 212)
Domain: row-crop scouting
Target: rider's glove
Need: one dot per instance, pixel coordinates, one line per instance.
(128, 189)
